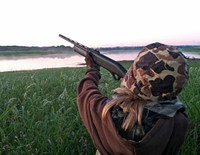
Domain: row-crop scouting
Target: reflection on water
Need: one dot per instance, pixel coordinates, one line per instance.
(27, 63)
(192, 55)
(52, 61)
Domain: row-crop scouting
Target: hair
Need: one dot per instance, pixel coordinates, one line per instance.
(131, 105)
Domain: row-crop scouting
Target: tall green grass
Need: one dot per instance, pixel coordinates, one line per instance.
(191, 99)
(38, 111)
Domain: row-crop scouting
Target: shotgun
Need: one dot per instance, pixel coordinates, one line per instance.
(115, 68)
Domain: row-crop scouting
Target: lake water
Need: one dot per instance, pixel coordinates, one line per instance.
(62, 60)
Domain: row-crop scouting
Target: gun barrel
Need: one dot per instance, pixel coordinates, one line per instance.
(74, 42)
(68, 39)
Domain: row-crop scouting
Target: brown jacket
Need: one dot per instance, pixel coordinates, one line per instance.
(165, 138)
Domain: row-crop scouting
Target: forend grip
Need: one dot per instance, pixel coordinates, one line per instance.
(116, 69)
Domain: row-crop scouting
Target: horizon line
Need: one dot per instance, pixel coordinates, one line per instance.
(117, 46)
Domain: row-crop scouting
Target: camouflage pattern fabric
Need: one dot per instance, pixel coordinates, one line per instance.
(159, 72)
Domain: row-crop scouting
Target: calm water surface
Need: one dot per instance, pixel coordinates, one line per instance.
(61, 60)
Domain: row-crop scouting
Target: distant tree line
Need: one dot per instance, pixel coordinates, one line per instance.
(121, 48)
(58, 48)
(62, 48)
(35, 48)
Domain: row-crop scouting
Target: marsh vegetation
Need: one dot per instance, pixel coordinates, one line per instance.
(38, 112)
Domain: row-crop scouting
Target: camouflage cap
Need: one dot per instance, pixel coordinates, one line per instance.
(159, 72)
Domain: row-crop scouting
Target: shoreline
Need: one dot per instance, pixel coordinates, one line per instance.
(81, 65)
(38, 62)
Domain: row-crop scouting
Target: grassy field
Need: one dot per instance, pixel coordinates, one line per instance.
(38, 112)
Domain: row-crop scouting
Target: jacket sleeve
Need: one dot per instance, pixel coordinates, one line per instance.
(90, 103)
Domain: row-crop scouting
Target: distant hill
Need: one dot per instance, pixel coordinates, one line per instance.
(24, 50)
(34, 48)
(120, 48)
(59, 48)
(21, 50)
(68, 48)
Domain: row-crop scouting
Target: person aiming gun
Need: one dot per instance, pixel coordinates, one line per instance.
(143, 116)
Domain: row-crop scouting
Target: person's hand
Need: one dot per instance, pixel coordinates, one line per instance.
(90, 63)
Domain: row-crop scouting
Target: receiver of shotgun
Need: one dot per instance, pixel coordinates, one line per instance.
(115, 68)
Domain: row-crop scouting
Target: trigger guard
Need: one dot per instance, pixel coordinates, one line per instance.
(116, 77)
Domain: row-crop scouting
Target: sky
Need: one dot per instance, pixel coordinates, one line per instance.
(99, 23)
